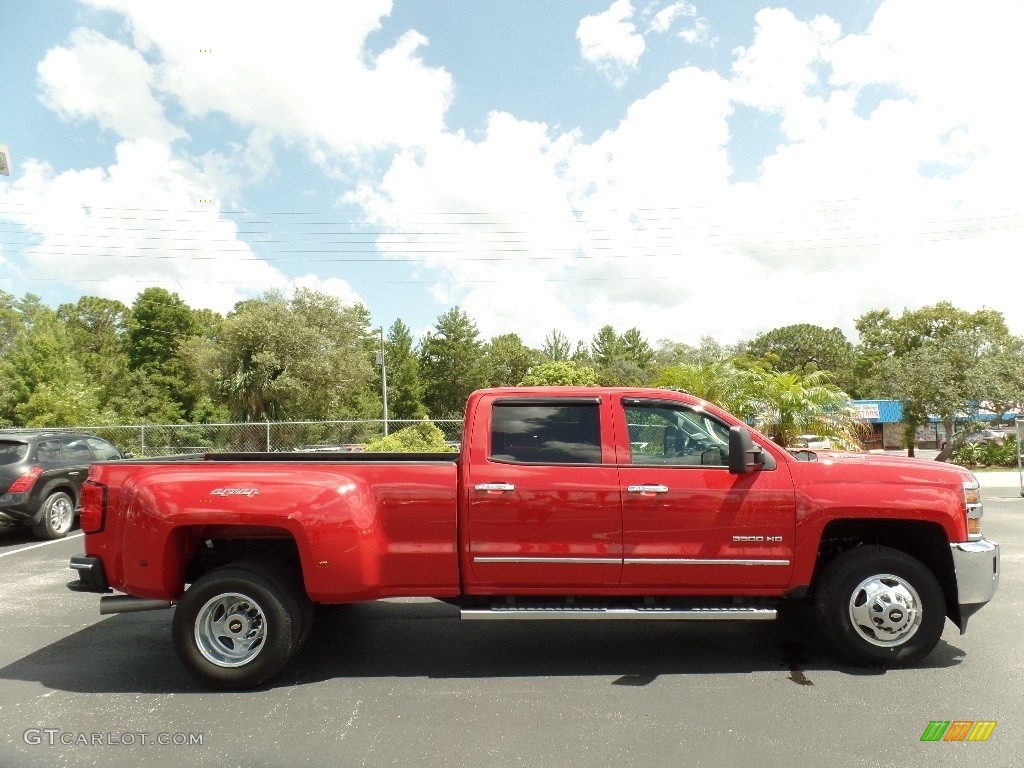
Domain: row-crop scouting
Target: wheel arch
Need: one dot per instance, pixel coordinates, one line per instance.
(211, 548)
(923, 540)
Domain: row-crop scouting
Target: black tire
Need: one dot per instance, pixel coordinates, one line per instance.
(235, 628)
(58, 515)
(286, 577)
(880, 607)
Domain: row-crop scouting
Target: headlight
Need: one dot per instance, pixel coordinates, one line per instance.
(975, 509)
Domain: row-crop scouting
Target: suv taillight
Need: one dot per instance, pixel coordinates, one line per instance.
(94, 505)
(24, 483)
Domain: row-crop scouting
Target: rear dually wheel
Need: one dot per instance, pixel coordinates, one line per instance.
(235, 628)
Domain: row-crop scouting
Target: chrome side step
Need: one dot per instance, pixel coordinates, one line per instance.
(570, 612)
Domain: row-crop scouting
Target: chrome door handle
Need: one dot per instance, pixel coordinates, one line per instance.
(647, 489)
(494, 487)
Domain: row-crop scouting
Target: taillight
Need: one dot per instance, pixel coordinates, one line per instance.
(94, 506)
(24, 483)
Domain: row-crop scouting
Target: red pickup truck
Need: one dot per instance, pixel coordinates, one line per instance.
(564, 503)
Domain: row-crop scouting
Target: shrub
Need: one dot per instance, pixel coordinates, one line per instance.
(422, 437)
(987, 454)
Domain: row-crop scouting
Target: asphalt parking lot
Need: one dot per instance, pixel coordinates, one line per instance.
(407, 683)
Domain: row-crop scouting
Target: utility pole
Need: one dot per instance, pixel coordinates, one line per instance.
(383, 379)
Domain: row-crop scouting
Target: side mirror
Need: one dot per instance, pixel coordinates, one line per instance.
(744, 456)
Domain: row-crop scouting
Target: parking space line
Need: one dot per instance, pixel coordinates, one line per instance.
(40, 544)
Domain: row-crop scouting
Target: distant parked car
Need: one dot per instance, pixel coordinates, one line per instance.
(346, 448)
(41, 476)
(812, 443)
(985, 436)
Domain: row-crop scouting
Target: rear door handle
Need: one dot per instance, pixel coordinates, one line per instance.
(494, 487)
(645, 489)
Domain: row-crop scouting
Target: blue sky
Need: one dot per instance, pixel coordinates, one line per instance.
(689, 169)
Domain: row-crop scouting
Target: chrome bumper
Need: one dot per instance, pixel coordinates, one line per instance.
(977, 575)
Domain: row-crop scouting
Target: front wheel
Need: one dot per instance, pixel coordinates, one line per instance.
(234, 628)
(880, 607)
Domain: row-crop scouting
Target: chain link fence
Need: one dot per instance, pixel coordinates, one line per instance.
(149, 440)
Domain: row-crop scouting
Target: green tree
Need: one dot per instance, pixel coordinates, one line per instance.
(10, 321)
(308, 357)
(718, 381)
(709, 350)
(159, 323)
(790, 404)
(805, 347)
(606, 347)
(98, 330)
(39, 354)
(62, 403)
(1001, 371)
(508, 360)
(622, 360)
(451, 364)
(405, 390)
(556, 347)
(560, 373)
(933, 360)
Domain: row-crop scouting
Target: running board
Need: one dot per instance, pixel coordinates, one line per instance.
(570, 612)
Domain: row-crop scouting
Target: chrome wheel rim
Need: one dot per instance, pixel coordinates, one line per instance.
(885, 610)
(230, 630)
(61, 514)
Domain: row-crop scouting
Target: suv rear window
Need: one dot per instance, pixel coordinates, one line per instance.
(12, 453)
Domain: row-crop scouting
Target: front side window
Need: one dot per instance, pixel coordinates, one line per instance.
(102, 450)
(676, 436)
(546, 434)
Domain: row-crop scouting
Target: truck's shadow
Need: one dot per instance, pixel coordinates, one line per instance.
(133, 652)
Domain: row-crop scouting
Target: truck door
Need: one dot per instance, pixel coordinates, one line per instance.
(543, 507)
(688, 522)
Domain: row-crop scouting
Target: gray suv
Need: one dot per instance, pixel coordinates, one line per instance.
(41, 476)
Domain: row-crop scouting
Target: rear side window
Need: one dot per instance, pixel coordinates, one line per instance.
(546, 434)
(48, 452)
(12, 453)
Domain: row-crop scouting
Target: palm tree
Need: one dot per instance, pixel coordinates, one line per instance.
(717, 381)
(790, 404)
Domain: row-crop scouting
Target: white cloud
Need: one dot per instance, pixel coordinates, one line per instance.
(894, 182)
(139, 222)
(303, 73)
(332, 286)
(609, 41)
(663, 19)
(643, 226)
(99, 78)
(698, 34)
